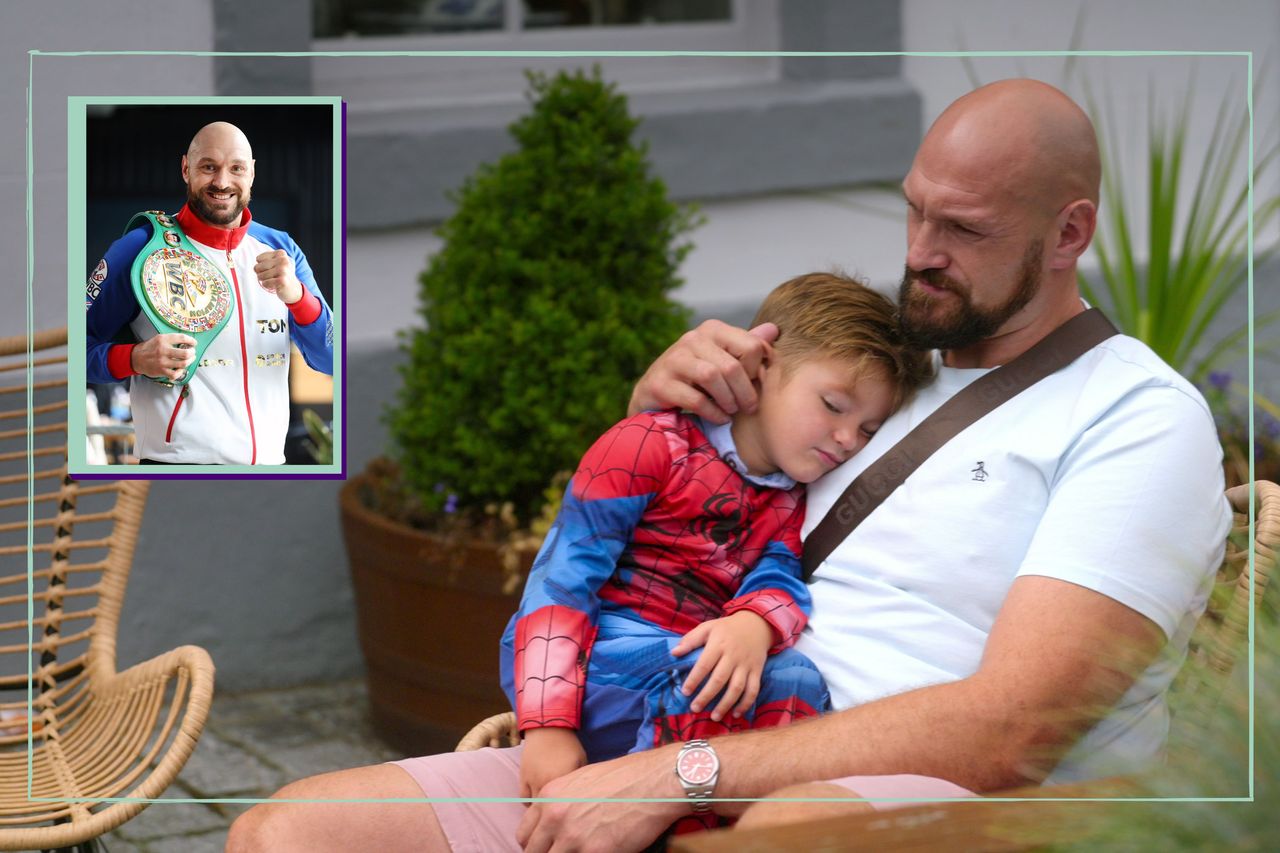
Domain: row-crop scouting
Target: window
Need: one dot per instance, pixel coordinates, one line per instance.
(406, 84)
(338, 18)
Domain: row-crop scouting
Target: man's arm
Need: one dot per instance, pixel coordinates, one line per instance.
(109, 306)
(286, 273)
(708, 371)
(1058, 656)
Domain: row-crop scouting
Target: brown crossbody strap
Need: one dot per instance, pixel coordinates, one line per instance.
(1062, 346)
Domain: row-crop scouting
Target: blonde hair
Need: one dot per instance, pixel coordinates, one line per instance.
(829, 315)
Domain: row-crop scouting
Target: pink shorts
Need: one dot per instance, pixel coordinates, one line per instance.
(479, 827)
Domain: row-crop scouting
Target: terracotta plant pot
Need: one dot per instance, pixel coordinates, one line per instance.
(430, 615)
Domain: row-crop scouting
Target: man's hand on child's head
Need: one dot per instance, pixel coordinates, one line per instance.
(708, 371)
(733, 658)
(549, 753)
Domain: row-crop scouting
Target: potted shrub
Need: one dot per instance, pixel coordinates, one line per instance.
(549, 298)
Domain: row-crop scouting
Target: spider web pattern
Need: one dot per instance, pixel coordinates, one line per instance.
(551, 651)
(705, 529)
(658, 525)
(775, 607)
(677, 728)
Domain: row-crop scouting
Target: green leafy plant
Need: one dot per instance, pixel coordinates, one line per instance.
(1196, 265)
(1217, 764)
(547, 301)
(1171, 290)
(1196, 261)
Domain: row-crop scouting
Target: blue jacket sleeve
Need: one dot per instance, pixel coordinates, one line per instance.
(109, 303)
(555, 627)
(315, 339)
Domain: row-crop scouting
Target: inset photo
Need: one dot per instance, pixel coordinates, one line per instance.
(204, 316)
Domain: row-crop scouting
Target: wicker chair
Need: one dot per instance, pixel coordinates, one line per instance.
(1213, 648)
(1222, 632)
(95, 733)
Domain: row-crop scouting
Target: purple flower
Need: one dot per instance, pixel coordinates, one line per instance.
(1220, 379)
(1270, 426)
(439, 487)
(451, 504)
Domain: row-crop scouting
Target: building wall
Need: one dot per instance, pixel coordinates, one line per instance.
(65, 25)
(254, 571)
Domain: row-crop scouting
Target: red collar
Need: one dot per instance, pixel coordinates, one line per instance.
(219, 238)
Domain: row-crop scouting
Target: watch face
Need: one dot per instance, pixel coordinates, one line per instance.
(697, 766)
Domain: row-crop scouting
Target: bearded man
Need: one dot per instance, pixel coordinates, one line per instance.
(214, 299)
(1011, 613)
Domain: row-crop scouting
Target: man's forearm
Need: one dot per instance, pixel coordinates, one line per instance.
(947, 731)
(1058, 658)
(952, 731)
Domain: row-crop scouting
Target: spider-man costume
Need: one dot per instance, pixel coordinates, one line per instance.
(657, 534)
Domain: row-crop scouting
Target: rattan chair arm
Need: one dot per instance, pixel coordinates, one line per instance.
(190, 662)
(193, 671)
(191, 658)
(498, 730)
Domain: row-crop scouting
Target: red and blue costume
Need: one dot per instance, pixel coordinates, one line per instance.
(658, 533)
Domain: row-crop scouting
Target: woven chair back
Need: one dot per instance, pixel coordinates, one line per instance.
(82, 539)
(1222, 632)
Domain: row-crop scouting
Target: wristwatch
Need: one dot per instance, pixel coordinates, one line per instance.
(698, 768)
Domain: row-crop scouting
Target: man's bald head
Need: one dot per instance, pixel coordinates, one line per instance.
(220, 135)
(1024, 137)
(1002, 201)
(218, 171)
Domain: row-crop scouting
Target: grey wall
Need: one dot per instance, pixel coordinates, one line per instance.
(255, 570)
(74, 25)
(781, 135)
(823, 122)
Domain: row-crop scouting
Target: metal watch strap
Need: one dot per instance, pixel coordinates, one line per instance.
(700, 796)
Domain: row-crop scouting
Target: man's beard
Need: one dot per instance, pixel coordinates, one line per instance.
(200, 206)
(965, 324)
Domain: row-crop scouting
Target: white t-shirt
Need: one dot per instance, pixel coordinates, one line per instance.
(1107, 474)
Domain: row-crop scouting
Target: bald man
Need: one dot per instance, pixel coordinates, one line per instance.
(1012, 613)
(235, 408)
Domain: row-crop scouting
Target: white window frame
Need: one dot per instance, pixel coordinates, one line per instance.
(383, 84)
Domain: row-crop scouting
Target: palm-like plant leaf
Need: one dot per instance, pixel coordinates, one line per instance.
(1197, 260)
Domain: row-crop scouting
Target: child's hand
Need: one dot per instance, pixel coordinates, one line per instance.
(736, 648)
(549, 753)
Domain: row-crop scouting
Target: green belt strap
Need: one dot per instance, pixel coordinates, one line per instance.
(178, 288)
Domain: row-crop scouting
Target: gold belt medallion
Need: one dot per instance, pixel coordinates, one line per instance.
(187, 291)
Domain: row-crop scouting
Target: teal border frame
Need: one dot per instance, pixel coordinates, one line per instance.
(76, 263)
(1247, 55)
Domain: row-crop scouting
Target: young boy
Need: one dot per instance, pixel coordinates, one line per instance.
(665, 600)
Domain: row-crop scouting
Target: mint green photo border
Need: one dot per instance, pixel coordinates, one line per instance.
(77, 262)
(1247, 55)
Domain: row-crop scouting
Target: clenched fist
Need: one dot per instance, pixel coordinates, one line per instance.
(275, 274)
(164, 356)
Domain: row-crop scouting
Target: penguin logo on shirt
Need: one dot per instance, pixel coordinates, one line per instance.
(979, 473)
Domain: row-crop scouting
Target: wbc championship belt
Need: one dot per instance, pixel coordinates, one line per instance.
(178, 288)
